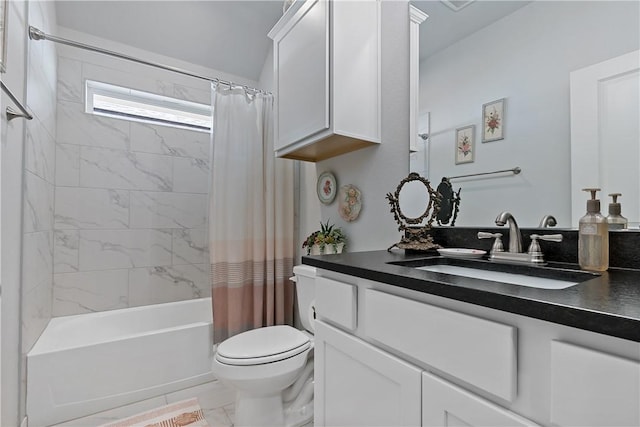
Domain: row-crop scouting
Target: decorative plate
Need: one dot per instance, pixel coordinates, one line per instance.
(461, 253)
(349, 202)
(326, 187)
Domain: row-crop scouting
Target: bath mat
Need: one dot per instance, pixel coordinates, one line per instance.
(186, 413)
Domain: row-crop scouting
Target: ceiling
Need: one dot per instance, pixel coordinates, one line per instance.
(231, 35)
(444, 27)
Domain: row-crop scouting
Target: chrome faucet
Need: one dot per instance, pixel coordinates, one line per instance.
(533, 256)
(548, 221)
(515, 238)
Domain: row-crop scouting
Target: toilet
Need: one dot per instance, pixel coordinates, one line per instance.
(271, 368)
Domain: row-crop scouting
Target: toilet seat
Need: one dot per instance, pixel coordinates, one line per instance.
(264, 345)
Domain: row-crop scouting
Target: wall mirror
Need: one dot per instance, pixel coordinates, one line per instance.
(415, 205)
(518, 50)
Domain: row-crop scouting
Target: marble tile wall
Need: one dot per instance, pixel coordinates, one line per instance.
(38, 187)
(130, 210)
(38, 180)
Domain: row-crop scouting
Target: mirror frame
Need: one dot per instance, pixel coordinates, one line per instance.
(415, 238)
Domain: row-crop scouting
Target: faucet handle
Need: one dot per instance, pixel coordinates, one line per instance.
(485, 235)
(497, 244)
(535, 253)
(547, 237)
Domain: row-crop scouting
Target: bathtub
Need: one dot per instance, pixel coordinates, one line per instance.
(89, 363)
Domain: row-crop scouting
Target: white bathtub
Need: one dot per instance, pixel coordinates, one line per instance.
(89, 363)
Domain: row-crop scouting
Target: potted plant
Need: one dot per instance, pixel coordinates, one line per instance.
(328, 240)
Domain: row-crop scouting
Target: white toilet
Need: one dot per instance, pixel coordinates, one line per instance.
(271, 368)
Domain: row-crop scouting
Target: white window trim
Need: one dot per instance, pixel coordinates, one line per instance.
(159, 109)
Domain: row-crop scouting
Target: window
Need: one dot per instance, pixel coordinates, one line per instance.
(114, 101)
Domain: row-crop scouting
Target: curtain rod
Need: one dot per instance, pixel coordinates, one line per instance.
(515, 171)
(36, 34)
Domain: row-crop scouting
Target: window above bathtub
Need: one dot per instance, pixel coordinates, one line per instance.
(104, 99)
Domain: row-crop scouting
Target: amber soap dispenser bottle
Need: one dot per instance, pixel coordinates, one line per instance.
(593, 237)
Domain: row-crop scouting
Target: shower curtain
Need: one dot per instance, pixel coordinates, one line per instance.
(251, 219)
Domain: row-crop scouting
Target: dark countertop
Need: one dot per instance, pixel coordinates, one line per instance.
(608, 304)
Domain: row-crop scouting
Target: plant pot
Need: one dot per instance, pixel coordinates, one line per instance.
(328, 249)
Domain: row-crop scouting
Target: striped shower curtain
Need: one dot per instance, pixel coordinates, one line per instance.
(250, 216)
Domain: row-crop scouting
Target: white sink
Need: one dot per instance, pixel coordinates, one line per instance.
(499, 276)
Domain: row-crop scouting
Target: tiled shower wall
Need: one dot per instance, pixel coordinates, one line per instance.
(131, 198)
(38, 184)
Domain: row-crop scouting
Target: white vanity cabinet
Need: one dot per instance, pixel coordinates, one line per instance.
(386, 355)
(357, 384)
(326, 78)
(445, 404)
(593, 388)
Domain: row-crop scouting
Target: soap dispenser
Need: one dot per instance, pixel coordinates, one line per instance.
(615, 220)
(593, 237)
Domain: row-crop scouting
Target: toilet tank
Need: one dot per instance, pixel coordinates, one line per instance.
(305, 278)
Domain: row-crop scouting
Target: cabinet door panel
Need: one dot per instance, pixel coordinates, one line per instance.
(444, 404)
(357, 384)
(303, 76)
(591, 388)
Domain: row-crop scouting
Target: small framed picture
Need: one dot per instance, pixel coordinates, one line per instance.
(493, 121)
(326, 187)
(465, 144)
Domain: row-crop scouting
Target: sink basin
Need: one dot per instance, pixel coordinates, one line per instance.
(521, 275)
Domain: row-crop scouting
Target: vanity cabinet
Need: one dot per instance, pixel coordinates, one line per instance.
(593, 388)
(357, 384)
(326, 78)
(445, 404)
(386, 355)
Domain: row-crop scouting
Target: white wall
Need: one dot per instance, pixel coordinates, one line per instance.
(378, 170)
(526, 58)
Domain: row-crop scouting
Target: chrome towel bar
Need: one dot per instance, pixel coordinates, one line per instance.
(515, 171)
(11, 113)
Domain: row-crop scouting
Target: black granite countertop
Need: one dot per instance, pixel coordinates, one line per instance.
(608, 303)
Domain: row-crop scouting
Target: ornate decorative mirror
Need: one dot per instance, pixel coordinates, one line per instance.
(449, 203)
(415, 205)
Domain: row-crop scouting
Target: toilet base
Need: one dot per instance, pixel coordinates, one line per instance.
(258, 411)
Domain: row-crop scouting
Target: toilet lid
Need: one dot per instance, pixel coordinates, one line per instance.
(263, 345)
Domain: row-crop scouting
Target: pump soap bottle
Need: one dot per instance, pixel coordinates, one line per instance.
(615, 220)
(593, 237)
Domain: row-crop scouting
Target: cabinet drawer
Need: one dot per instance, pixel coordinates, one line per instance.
(477, 351)
(336, 302)
(591, 388)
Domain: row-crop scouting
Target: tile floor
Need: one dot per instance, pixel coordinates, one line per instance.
(217, 403)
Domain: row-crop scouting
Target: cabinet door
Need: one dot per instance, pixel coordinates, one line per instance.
(302, 73)
(591, 388)
(357, 384)
(444, 404)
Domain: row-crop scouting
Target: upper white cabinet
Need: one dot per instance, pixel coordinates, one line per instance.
(326, 78)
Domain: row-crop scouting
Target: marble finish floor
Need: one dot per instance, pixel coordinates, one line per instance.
(217, 403)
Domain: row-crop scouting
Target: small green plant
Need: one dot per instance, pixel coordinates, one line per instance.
(327, 235)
